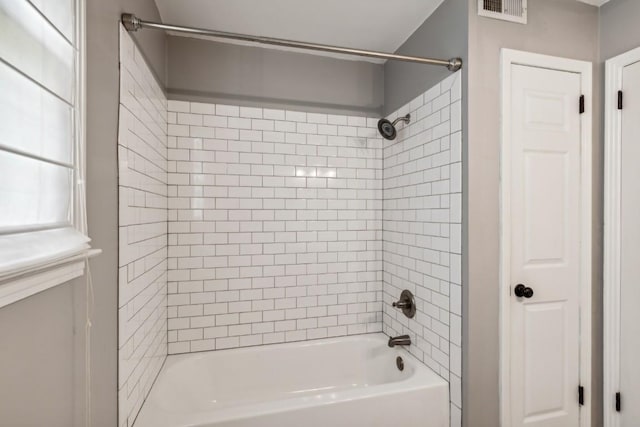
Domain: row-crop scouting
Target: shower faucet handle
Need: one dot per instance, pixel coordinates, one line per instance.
(406, 303)
(401, 304)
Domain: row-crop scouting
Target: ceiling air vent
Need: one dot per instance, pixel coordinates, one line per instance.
(507, 10)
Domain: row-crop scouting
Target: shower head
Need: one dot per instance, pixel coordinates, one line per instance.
(388, 129)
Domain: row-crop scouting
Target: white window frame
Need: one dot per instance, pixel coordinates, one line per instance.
(29, 282)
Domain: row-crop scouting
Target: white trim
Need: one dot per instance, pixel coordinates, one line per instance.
(30, 285)
(611, 270)
(508, 58)
(56, 274)
(596, 3)
(80, 110)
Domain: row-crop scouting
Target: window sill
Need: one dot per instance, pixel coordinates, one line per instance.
(18, 288)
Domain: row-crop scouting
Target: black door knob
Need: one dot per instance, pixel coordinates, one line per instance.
(523, 291)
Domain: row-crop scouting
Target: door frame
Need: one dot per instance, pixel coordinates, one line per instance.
(509, 57)
(611, 272)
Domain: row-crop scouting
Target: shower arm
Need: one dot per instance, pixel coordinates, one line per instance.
(132, 23)
(405, 119)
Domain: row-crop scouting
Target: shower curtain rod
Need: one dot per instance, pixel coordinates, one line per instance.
(133, 23)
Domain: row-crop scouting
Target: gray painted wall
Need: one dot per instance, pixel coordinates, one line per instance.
(564, 28)
(42, 359)
(443, 35)
(619, 29)
(207, 71)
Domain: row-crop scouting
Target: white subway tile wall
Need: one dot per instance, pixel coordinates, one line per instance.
(142, 283)
(248, 226)
(422, 223)
(275, 226)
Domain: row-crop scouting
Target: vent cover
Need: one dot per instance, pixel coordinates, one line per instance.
(507, 10)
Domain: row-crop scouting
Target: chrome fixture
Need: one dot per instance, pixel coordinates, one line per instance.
(400, 340)
(388, 129)
(407, 303)
(133, 23)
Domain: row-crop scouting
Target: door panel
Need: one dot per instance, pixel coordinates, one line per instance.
(545, 326)
(545, 135)
(630, 249)
(545, 185)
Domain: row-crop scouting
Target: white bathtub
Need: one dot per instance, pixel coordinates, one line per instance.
(351, 381)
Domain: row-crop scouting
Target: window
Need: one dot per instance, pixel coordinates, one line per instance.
(41, 135)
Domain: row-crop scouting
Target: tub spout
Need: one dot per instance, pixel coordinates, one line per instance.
(400, 340)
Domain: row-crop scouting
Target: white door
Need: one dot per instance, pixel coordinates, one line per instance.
(544, 196)
(630, 248)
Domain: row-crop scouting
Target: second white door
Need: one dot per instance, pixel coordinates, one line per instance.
(629, 248)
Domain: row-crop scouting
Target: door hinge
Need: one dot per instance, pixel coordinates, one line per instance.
(581, 104)
(618, 402)
(581, 395)
(619, 100)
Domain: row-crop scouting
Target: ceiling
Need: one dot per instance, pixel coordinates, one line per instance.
(381, 25)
